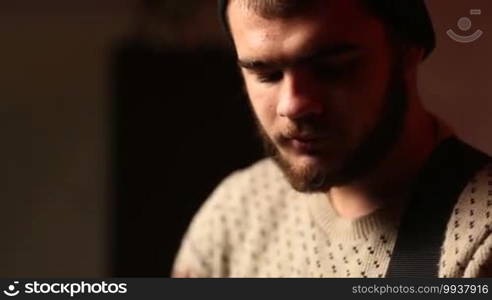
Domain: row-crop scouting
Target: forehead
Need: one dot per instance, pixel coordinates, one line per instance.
(326, 22)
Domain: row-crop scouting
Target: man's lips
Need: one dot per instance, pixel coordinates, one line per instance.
(306, 144)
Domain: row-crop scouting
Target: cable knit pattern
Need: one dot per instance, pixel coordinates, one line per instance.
(256, 225)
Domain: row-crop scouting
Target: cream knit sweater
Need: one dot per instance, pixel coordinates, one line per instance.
(256, 225)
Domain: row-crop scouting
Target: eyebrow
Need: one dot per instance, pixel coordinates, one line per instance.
(323, 52)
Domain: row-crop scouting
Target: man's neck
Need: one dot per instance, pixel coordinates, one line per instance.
(389, 183)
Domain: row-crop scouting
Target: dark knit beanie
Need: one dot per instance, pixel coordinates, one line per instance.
(409, 19)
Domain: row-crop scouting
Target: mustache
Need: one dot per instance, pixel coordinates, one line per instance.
(312, 128)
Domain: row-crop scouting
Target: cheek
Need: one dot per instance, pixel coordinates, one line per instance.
(369, 93)
(263, 102)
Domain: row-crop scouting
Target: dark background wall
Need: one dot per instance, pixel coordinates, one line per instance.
(54, 116)
(456, 82)
(182, 125)
(77, 199)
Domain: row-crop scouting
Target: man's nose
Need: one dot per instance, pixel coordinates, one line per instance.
(298, 96)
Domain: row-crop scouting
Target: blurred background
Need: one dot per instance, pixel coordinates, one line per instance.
(119, 117)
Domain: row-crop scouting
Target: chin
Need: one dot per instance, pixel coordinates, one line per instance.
(307, 173)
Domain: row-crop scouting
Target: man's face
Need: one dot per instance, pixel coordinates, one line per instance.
(318, 83)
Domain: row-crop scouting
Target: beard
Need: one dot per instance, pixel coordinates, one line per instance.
(362, 160)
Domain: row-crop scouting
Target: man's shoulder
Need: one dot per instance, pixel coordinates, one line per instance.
(231, 217)
(472, 214)
(261, 181)
(469, 227)
(264, 170)
(260, 178)
(476, 197)
(477, 194)
(238, 201)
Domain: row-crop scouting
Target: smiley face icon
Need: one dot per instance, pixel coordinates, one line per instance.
(465, 24)
(11, 292)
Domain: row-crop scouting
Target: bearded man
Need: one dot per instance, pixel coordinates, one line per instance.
(360, 180)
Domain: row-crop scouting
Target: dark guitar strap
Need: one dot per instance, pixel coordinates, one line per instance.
(421, 234)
